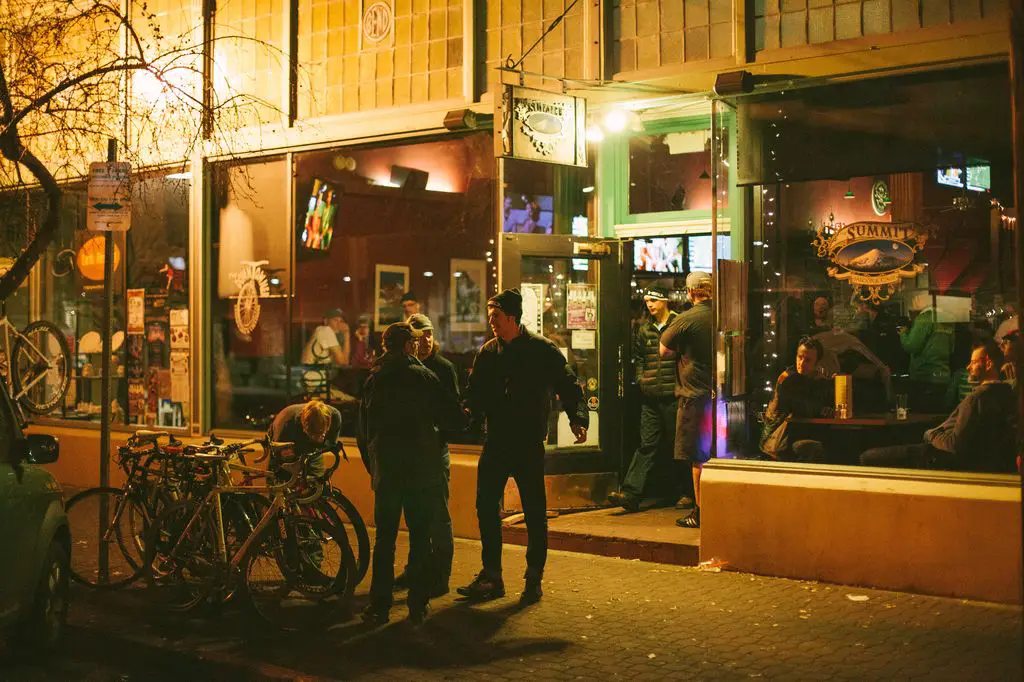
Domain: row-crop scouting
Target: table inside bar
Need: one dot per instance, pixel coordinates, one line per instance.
(845, 439)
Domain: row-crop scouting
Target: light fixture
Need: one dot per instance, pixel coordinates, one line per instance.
(595, 134)
(849, 191)
(346, 278)
(428, 273)
(615, 121)
(588, 189)
(457, 274)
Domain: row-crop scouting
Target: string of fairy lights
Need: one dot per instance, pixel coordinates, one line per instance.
(771, 274)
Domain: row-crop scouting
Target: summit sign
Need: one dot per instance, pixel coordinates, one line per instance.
(874, 256)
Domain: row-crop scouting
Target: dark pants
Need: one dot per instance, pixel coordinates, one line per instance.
(419, 505)
(525, 464)
(442, 538)
(657, 429)
(917, 456)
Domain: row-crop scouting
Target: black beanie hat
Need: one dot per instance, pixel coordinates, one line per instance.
(509, 302)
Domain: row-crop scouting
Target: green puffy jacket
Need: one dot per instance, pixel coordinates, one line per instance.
(929, 343)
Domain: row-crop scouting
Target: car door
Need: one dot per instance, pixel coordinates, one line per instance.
(24, 496)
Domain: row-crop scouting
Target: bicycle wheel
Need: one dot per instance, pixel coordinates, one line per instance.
(39, 371)
(348, 516)
(181, 561)
(122, 537)
(298, 572)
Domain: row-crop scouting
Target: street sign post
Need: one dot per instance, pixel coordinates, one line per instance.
(109, 195)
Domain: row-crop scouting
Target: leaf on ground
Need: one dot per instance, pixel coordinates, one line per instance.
(858, 597)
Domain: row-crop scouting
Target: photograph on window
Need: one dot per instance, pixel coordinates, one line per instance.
(392, 281)
(468, 295)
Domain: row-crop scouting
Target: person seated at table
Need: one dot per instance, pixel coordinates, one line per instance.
(979, 435)
(1009, 348)
(326, 349)
(801, 391)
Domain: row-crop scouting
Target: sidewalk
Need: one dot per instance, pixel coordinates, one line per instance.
(601, 618)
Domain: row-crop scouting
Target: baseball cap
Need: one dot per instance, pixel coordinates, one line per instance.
(333, 312)
(398, 334)
(656, 294)
(409, 296)
(697, 280)
(420, 321)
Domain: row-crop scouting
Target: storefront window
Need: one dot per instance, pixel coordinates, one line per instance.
(545, 198)
(376, 234)
(251, 262)
(670, 171)
(900, 271)
(150, 379)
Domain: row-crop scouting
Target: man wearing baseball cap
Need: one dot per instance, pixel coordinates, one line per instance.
(689, 339)
(656, 377)
(510, 390)
(403, 409)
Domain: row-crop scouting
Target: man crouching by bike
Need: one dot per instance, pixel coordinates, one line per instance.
(311, 426)
(403, 408)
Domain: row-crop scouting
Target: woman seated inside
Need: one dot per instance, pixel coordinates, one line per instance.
(802, 392)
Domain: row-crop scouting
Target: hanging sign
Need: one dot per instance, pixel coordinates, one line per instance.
(873, 256)
(109, 197)
(542, 126)
(252, 285)
(581, 306)
(533, 307)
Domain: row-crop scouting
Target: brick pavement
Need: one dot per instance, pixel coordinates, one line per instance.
(601, 618)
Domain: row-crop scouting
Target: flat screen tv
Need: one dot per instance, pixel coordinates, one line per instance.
(979, 178)
(699, 251)
(658, 255)
(528, 214)
(318, 229)
(951, 177)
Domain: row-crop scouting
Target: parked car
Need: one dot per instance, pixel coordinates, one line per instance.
(35, 542)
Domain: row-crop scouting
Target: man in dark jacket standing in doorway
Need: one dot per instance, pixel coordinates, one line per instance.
(657, 379)
(510, 388)
(402, 411)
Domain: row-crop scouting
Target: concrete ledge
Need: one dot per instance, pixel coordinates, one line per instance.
(927, 532)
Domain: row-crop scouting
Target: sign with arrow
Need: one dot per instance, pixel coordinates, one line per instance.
(109, 195)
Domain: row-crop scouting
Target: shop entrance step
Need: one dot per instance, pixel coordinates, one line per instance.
(650, 535)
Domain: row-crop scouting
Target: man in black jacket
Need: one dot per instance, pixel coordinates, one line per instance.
(510, 388)
(442, 539)
(656, 377)
(402, 411)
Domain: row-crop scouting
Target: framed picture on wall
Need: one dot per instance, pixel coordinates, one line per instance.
(391, 281)
(468, 295)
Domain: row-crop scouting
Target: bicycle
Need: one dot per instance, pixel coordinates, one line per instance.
(39, 376)
(295, 569)
(128, 511)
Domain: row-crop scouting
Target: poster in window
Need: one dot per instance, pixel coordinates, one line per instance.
(533, 307)
(391, 282)
(581, 306)
(136, 311)
(468, 295)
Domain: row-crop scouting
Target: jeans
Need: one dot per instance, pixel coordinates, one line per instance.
(918, 456)
(657, 429)
(442, 538)
(524, 462)
(419, 505)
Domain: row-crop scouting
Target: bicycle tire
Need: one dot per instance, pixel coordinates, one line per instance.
(180, 571)
(349, 517)
(295, 583)
(53, 337)
(125, 563)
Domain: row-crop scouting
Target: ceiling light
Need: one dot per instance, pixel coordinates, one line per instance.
(428, 273)
(615, 121)
(588, 189)
(595, 134)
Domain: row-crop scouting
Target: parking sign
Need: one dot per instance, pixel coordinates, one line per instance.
(110, 203)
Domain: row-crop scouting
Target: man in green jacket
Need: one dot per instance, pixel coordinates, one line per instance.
(929, 342)
(656, 377)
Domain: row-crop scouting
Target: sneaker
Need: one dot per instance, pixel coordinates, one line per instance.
(620, 499)
(532, 592)
(483, 587)
(685, 502)
(375, 615)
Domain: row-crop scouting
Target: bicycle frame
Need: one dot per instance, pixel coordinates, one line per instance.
(40, 358)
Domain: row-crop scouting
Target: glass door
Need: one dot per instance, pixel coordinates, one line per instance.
(574, 294)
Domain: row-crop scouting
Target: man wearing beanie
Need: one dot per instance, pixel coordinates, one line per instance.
(403, 409)
(656, 377)
(688, 339)
(442, 540)
(510, 390)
